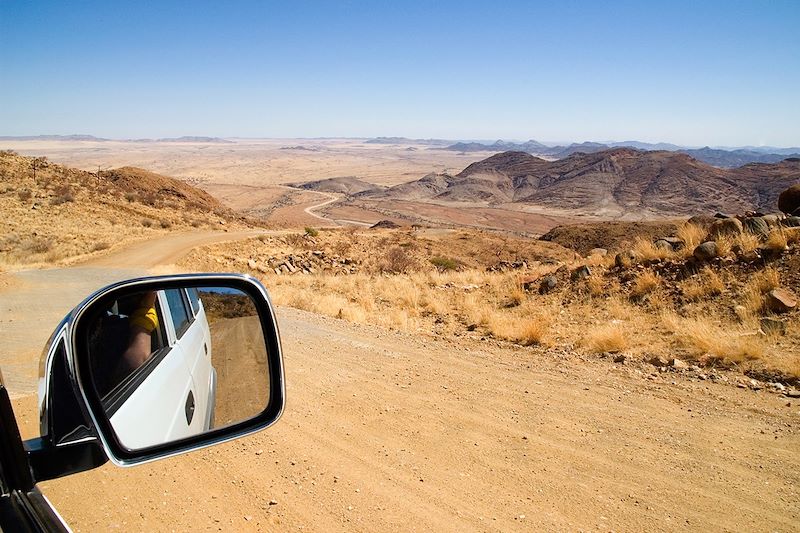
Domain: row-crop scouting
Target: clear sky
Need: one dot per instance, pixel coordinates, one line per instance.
(696, 73)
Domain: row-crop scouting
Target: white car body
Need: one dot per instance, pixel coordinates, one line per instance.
(176, 397)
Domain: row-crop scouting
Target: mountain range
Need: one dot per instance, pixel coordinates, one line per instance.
(612, 182)
(718, 157)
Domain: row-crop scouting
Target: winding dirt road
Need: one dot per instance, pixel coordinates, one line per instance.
(386, 431)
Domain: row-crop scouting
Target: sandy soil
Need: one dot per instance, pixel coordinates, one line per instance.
(388, 431)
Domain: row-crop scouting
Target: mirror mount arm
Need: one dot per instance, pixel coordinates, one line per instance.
(51, 462)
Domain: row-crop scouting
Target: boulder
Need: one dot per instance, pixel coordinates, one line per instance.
(657, 361)
(598, 251)
(663, 244)
(791, 222)
(624, 259)
(580, 273)
(725, 226)
(789, 200)
(706, 251)
(758, 226)
(548, 284)
(781, 300)
(678, 364)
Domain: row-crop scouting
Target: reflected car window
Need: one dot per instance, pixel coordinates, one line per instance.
(178, 311)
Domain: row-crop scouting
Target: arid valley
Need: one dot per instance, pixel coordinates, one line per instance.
(474, 340)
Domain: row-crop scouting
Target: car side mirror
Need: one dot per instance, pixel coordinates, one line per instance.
(153, 367)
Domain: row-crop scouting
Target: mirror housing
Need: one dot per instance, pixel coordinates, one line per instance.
(76, 431)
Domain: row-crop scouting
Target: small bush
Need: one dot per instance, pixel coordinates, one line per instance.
(147, 223)
(311, 232)
(130, 197)
(24, 194)
(691, 235)
(63, 194)
(102, 245)
(166, 224)
(443, 264)
(397, 261)
(776, 241)
(150, 198)
(608, 338)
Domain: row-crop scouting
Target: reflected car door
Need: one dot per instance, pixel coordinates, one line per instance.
(159, 404)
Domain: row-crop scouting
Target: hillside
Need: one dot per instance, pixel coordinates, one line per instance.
(343, 185)
(53, 212)
(616, 182)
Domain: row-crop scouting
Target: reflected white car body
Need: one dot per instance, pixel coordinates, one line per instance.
(176, 398)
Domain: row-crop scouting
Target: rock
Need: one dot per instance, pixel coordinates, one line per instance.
(706, 251)
(758, 226)
(754, 385)
(657, 361)
(781, 300)
(678, 364)
(619, 358)
(791, 222)
(273, 502)
(793, 393)
(528, 283)
(773, 326)
(625, 259)
(721, 215)
(725, 226)
(703, 221)
(580, 273)
(548, 284)
(663, 244)
(777, 386)
(789, 200)
(602, 252)
(251, 264)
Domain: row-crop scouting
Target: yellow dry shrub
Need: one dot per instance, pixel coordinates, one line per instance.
(703, 337)
(747, 242)
(645, 249)
(595, 285)
(518, 329)
(606, 338)
(759, 284)
(707, 284)
(724, 245)
(777, 241)
(645, 283)
(691, 235)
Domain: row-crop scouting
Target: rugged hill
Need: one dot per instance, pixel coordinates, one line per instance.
(611, 182)
(52, 212)
(344, 185)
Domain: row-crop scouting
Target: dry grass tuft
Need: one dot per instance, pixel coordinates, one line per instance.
(777, 241)
(691, 235)
(645, 249)
(753, 292)
(707, 284)
(520, 330)
(609, 338)
(645, 283)
(703, 337)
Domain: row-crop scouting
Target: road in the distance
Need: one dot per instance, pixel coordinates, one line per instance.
(388, 431)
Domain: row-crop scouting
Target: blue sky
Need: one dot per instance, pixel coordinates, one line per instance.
(696, 73)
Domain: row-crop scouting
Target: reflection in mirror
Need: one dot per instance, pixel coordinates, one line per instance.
(173, 363)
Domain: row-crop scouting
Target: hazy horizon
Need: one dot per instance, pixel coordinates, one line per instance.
(717, 74)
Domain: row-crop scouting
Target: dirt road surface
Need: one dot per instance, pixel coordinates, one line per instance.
(388, 431)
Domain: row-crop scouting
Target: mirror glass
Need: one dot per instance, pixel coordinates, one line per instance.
(173, 363)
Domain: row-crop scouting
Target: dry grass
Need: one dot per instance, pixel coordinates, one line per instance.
(608, 338)
(705, 285)
(758, 285)
(703, 337)
(645, 283)
(691, 235)
(777, 241)
(646, 250)
(746, 242)
(521, 330)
